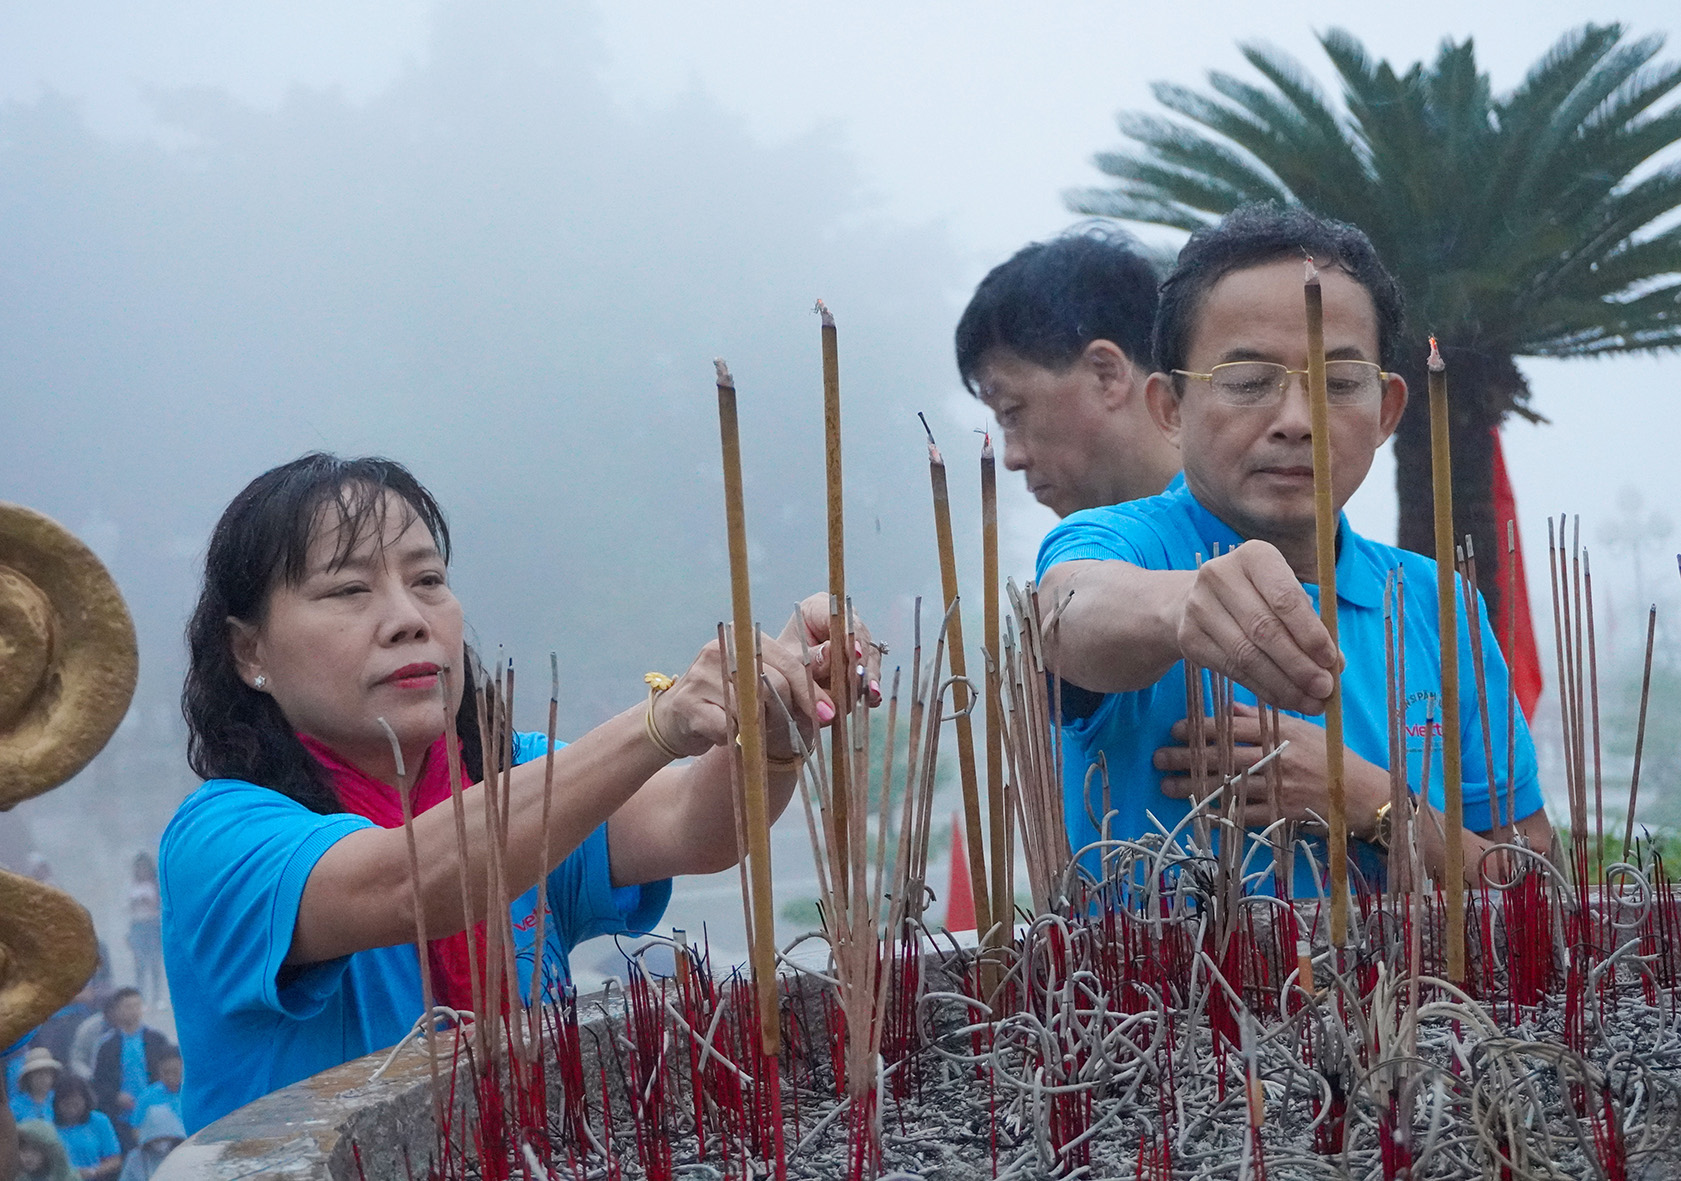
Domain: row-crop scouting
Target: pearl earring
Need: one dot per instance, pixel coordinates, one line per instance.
(260, 683)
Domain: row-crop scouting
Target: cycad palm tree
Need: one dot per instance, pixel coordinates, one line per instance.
(1523, 224)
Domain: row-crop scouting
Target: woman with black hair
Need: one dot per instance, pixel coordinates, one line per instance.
(288, 918)
(88, 1136)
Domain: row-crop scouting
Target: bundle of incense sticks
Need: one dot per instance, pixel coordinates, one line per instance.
(1028, 702)
(865, 902)
(1571, 582)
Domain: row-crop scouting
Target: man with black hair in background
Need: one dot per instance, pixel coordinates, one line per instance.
(1056, 342)
(1221, 569)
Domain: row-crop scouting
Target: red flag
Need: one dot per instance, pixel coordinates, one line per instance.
(1525, 660)
(960, 898)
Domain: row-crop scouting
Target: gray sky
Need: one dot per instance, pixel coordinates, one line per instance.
(973, 117)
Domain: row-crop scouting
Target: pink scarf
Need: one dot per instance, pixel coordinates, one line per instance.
(452, 981)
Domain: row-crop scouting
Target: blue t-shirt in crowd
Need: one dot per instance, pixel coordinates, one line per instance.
(154, 1095)
(1174, 531)
(136, 1077)
(232, 865)
(24, 1107)
(90, 1142)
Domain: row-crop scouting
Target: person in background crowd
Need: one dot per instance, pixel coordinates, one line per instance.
(41, 1155)
(127, 1060)
(57, 1033)
(88, 1136)
(1056, 342)
(165, 1092)
(33, 1098)
(160, 1133)
(145, 928)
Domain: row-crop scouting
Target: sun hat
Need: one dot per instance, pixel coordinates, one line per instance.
(68, 659)
(39, 1058)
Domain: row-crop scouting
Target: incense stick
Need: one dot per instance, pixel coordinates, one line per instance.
(840, 638)
(1325, 526)
(1511, 669)
(1453, 807)
(421, 944)
(538, 984)
(1468, 585)
(1593, 697)
(755, 794)
(1640, 730)
(452, 749)
(1002, 855)
(960, 691)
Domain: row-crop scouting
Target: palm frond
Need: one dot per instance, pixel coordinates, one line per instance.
(1532, 221)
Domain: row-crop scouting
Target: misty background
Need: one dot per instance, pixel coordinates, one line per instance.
(503, 242)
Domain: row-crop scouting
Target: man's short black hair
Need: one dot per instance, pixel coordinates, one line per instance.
(1052, 299)
(1252, 235)
(116, 999)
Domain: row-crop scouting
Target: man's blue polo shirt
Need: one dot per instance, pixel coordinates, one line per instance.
(231, 870)
(1175, 532)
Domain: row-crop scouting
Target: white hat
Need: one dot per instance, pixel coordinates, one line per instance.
(39, 1058)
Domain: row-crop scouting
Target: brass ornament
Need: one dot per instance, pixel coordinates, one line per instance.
(68, 659)
(68, 665)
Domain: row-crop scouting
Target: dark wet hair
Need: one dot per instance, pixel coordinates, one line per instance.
(1252, 235)
(1052, 299)
(262, 540)
(71, 1085)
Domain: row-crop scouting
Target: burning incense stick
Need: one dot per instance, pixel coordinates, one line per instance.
(1325, 524)
(960, 689)
(840, 686)
(750, 719)
(1002, 855)
(1640, 730)
(1447, 599)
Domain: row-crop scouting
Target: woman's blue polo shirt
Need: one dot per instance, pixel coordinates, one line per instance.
(1174, 531)
(231, 871)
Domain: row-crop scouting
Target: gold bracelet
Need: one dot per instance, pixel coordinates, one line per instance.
(793, 763)
(657, 683)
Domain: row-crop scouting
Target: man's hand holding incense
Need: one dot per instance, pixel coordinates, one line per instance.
(1247, 617)
(1299, 772)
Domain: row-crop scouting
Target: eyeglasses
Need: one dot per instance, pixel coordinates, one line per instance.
(1259, 384)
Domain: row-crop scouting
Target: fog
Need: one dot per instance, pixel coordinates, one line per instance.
(491, 273)
(503, 244)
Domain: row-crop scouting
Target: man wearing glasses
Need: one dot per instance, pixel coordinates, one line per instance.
(1221, 568)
